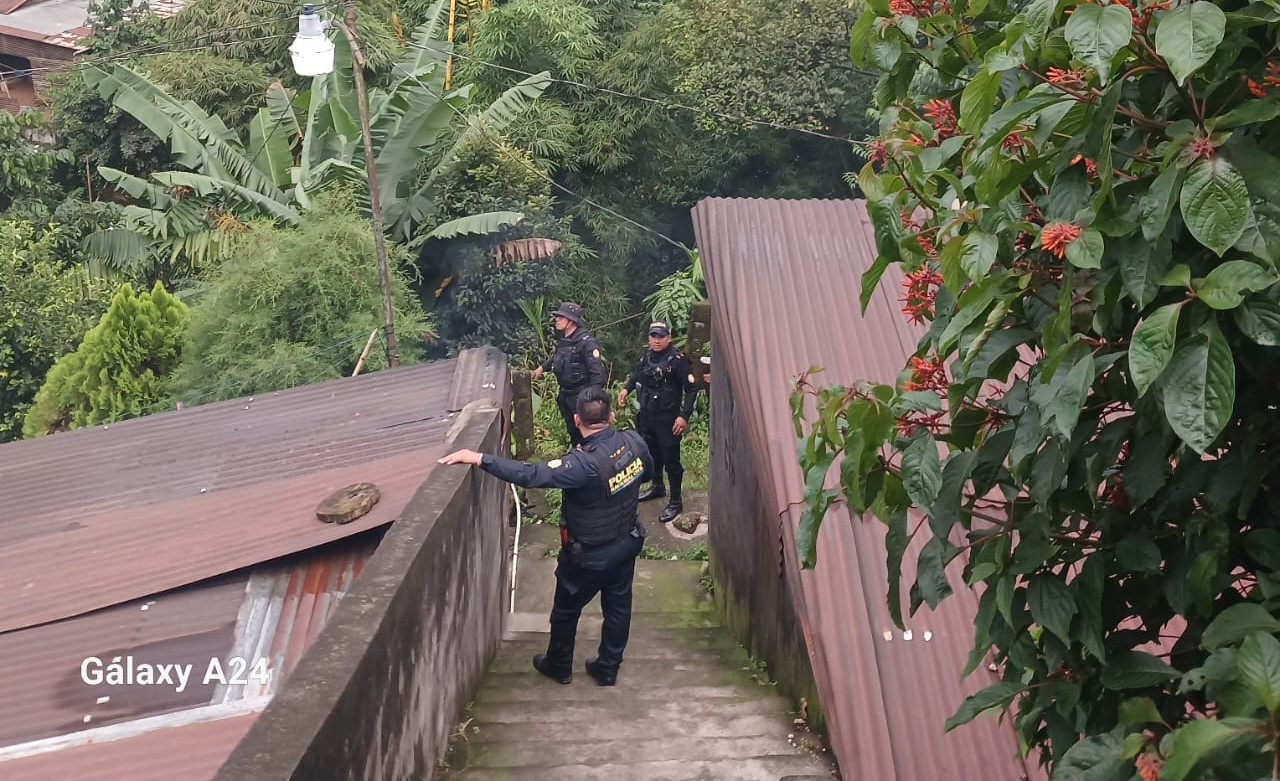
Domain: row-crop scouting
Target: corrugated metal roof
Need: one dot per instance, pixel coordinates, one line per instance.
(783, 278)
(159, 502)
(108, 548)
(191, 752)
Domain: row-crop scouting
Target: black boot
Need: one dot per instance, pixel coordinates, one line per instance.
(540, 664)
(675, 506)
(655, 491)
(603, 677)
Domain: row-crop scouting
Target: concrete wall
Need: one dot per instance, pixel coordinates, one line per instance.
(747, 562)
(378, 694)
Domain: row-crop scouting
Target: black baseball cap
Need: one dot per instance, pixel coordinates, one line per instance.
(659, 328)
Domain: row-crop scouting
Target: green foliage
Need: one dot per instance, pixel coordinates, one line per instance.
(671, 301)
(119, 371)
(1083, 199)
(26, 169)
(43, 314)
(292, 306)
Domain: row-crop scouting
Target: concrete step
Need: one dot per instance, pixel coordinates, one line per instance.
(628, 692)
(534, 753)
(752, 725)
(660, 586)
(572, 715)
(640, 670)
(763, 768)
(589, 623)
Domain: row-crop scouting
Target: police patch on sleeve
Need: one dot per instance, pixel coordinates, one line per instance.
(692, 379)
(555, 463)
(595, 353)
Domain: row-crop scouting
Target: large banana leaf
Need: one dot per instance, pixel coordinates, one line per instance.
(199, 141)
(475, 224)
(207, 185)
(406, 212)
(280, 102)
(414, 121)
(428, 44)
(269, 147)
(150, 192)
(118, 249)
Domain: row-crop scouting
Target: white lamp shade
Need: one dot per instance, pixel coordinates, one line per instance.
(312, 55)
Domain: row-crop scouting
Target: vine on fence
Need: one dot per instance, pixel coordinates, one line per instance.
(1085, 201)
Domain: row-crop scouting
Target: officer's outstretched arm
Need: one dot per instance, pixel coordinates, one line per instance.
(572, 471)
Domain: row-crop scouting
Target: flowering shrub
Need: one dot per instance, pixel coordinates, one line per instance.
(1085, 201)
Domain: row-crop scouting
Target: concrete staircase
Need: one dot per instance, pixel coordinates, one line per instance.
(688, 704)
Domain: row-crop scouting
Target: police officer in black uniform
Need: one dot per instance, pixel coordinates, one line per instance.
(663, 376)
(576, 364)
(600, 534)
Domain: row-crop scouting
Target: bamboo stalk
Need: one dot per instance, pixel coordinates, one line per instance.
(365, 354)
(448, 66)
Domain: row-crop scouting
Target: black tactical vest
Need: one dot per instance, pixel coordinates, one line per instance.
(659, 387)
(569, 363)
(602, 512)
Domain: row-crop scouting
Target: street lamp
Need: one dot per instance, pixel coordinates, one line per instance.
(312, 54)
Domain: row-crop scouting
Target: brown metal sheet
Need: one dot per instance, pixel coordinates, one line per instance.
(40, 668)
(167, 500)
(784, 279)
(192, 752)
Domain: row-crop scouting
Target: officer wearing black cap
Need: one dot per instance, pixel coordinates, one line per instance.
(662, 377)
(576, 363)
(600, 534)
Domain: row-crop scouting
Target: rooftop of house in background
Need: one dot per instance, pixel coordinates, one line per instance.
(191, 537)
(783, 278)
(61, 21)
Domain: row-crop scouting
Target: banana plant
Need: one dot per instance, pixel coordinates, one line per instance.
(300, 145)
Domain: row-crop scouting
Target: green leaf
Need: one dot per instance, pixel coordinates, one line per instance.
(1215, 203)
(977, 101)
(860, 38)
(1086, 251)
(1138, 553)
(998, 695)
(1199, 388)
(475, 224)
(1193, 742)
(978, 254)
(1157, 203)
(1263, 546)
(1178, 276)
(269, 148)
(1202, 581)
(1226, 285)
(1052, 605)
(1137, 711)
(1260, 668)
(1038, 16)
(922, 470)
(945, 510)
(1097, 33)
(1096, 758)
(1252, 112)
(871, 280)
(1152, 346)
(1237, 622)
(1135, 670)
(1188, 36)
(931, 574)
(816, 502)
(1141, 263)
(1061, 400)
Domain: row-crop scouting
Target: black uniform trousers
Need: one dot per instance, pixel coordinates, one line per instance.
(664, 446)
(608, 571)
(567, 401)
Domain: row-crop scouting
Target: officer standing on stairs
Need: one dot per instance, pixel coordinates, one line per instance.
(576, 364)
(663, 376)
(600, 535)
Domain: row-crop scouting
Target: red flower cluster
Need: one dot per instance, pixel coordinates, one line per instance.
(1201, 149)
(928, 375)
(1013, 143)
(1068, 79)
(1272, 79)
(921, 290)
(1149, 767)
(879, 154)
(943, 117)
(1141, 19)
(911, 422)
(1055, 238)
(1090, 167)
(923, 239)
(920, 9)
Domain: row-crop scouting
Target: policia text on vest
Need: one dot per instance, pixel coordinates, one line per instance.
(576, 363)
(600, 533)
